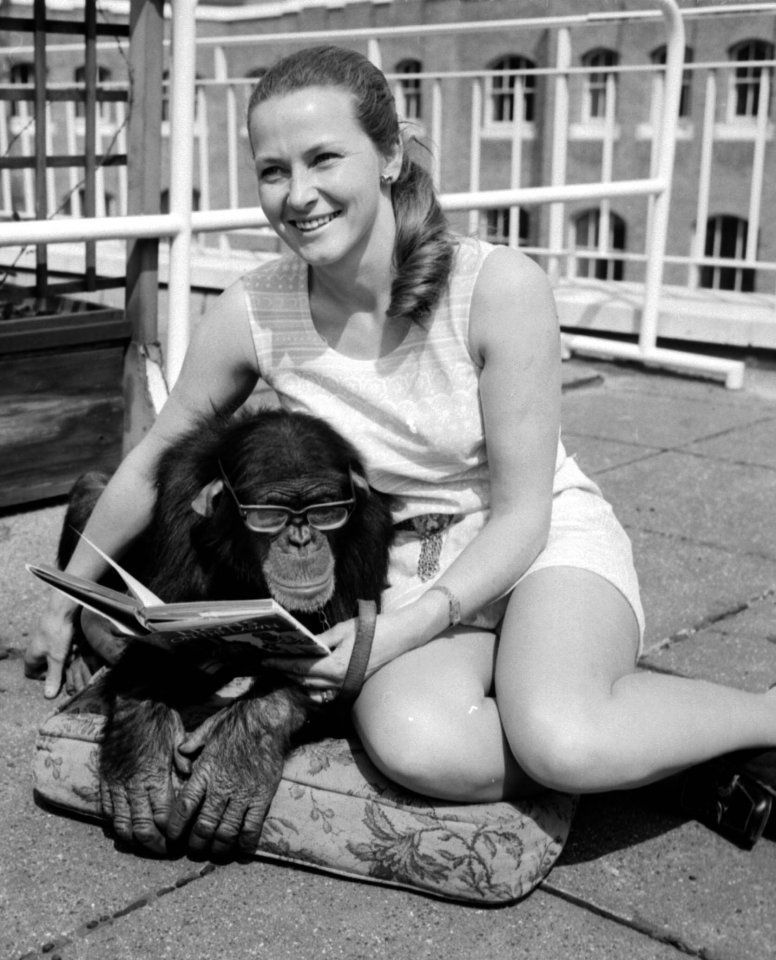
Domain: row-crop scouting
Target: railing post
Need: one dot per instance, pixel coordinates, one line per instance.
(560, 127)
(758, 167)
(668, 122)
(436, 132)
(181, 165)
(607, 167)
(704, 178)
(475, 145)
(516, 163)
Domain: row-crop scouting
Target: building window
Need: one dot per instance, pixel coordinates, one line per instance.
(726, 238)
(586, 237)
(745, 93)
(409, 87)
(71, 209)
(103, 76)
(164, 200)
(20, 73)
(501, 95)
(685, 99)
(597, 82)
(498, 225)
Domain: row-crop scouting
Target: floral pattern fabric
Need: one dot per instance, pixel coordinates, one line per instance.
(333, 810)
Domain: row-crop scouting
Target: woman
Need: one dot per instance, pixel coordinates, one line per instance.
(505, 654)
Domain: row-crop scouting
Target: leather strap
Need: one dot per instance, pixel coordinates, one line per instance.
(365, 631)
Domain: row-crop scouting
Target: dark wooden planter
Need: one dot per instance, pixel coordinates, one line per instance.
(61, 404)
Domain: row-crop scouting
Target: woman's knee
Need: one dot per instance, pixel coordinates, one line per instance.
(559, 752)
(437, 736)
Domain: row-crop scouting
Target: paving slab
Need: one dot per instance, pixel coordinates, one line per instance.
(56, 871)
(677, 879)
(686, 585)
(698, 499)
(739, 650)
(597, 456)
(266, 911)
(635, 880)
(752, 444)
(656, 419)
(26, 536)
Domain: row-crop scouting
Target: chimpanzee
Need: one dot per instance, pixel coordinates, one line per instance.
(267, 504)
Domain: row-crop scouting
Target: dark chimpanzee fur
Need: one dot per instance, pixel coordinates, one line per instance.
(269, 457)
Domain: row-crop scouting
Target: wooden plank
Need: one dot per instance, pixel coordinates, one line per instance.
(146, 53)
(58, 331)
(62, 161)
(41, 194)
(60, 414)
(62, 94)
(26, 25)
(90, 137)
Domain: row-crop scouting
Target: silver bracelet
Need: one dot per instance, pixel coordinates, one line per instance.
(453, 603)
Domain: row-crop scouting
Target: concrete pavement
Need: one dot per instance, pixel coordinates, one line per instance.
(691, 471)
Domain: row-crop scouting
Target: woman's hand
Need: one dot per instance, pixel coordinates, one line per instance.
(49, 648)
(396, 632)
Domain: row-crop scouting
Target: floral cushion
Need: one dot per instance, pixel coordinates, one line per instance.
(333, 810)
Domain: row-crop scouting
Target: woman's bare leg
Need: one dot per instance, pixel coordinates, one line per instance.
(578, 715)
(571, 711)
(429, 722)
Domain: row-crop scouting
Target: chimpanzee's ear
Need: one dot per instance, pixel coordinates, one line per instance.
(359, 482)
(204, 502)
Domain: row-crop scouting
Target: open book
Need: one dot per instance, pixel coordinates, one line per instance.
(263, 624)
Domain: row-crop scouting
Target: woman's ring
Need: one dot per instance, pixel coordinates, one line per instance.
(327, 696)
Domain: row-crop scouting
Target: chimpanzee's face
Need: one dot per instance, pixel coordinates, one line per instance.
(292, 524)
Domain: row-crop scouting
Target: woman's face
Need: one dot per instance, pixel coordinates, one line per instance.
(319, 176)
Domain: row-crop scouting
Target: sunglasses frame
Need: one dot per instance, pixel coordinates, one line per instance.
(245, 508)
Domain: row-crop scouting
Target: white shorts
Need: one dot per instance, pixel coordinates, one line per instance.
(584, 533)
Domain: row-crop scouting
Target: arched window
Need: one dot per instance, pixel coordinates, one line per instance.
(103, 76)
(587, 226)
(745, 93)
(410, 88)
(726, 237)
(20, 73)
(685, 100)
(498, 225)
(596, 82)
(502, 89)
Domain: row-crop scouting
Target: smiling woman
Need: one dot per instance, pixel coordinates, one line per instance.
(439, 357)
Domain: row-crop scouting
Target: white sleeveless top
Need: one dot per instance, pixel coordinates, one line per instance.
(414, 415)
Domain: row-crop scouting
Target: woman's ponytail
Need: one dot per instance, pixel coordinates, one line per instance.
(423, 252)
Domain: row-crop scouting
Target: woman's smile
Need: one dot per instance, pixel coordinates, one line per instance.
(312, 224)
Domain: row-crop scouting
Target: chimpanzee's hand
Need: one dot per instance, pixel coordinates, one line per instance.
(234, 778)
(137, 757)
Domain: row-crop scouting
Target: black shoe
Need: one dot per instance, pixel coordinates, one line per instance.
(734, 794)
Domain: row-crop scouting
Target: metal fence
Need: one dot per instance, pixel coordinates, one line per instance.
(571, 218)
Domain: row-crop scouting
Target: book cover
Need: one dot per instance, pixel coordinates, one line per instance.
(263, 624)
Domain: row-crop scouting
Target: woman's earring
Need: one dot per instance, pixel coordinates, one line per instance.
(385, 179)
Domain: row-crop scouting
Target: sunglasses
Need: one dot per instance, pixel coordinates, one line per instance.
(271, 518)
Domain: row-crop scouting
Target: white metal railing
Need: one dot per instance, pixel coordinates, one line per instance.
(220, 101)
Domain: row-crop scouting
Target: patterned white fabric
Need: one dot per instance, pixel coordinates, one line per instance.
(415, 418)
